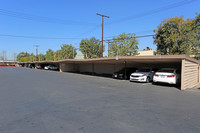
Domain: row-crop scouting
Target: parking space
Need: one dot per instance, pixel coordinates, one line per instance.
(89, 69)
(125, 71)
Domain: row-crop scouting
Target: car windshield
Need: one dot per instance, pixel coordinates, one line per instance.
(144, 70)
(166, 71)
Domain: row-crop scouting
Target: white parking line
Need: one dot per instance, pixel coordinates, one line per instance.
(146, 84)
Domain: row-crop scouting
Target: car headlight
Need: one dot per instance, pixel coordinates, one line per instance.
(143, 75)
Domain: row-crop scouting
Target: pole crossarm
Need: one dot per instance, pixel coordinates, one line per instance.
(102, 15)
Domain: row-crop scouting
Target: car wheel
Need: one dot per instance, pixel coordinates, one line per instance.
(148, 79)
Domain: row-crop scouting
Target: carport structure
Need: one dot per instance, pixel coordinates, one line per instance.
(190, 67)
(190, 73)
(42, 63)
(46, 63)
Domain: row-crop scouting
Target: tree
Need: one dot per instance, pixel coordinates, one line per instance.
(32, 57)
(123, 45)
(176, 36)
(197, 25)
(19, 56)
(23, 57)
(90, 48)
(57, 55)
(41, 57)
(49, 55)
(67, 51)
(84, 47)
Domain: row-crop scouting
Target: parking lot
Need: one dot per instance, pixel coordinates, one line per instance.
(38, 101)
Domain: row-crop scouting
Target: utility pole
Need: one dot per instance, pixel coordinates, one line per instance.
(4, 57)
(36, 47)
(14, 56)
(102, 31)
(74, 49)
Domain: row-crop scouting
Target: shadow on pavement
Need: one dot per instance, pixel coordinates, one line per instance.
(168, 85)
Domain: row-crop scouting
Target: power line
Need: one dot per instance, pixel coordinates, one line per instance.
(69, 22)
(164, 8)
(89, 31)
(129, 37)
(144, 36)
(139, 32)
(37, 37)
(161, 9)
(111, 40)
(43, 19)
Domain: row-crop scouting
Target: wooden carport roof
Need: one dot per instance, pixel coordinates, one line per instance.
(113, 60)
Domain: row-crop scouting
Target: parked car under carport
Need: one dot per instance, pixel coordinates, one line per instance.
(124, 73)
(167, 75)
(143, 75)
(51, 67)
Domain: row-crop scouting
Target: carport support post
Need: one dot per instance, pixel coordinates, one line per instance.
(182, 74)
(60, 66)
(36, 65)
(73, 67)
(125, 69)
(92, 68)
(199, 73)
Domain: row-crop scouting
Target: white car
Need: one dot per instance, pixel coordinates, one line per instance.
(142, 75)
(167, 75)
(51, 67)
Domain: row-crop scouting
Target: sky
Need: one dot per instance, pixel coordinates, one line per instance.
(52, 23)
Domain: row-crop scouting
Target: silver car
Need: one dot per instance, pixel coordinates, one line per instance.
(51, 67)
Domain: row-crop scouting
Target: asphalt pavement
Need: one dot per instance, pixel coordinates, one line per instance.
(39, 101)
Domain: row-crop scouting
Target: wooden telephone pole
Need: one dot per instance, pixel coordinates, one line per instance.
(102, 31)
(36, 47)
